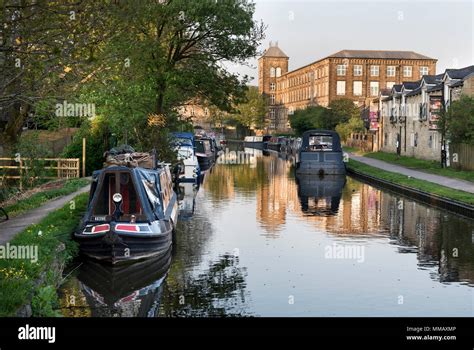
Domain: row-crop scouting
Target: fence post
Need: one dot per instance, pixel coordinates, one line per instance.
(21, 175)
(83, 157)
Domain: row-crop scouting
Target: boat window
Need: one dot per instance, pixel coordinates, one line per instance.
(152, 193)
(320, 143)
(184, 152)
(165, 189)
(113, 183)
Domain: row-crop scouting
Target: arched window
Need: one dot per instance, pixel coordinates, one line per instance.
(272, 72)
(278, 71)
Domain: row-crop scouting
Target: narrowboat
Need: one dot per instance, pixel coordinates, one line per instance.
(258, 142)
(274, 144)
(320, 154)
(204, 153)
(189, 170)
(131, 215)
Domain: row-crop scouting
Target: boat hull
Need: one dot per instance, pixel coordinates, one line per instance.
(257, 145)
(205, 162)
(113, 247)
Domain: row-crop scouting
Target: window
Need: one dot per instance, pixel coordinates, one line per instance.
(385, 139)
(272, 114)
(391, 71)
(374, 88)
(357, 88)
(272, 99)
(341, 69)
(278, 72)
(272, 72)
(320, 143)
(374, 71)
(424, 71)
(357, 70)
(341, 88)
(272, 86)
(407, 70)
(390, 84)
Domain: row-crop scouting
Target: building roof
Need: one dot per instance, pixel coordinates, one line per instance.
(460, 73)
(381, 54)
(397, 87)
(435, 88)
(410, 85)
(274, 51)
(432, 79)
(414, 92)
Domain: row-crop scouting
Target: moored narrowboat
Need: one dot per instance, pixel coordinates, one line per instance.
(204, 153)
(258, 142)
(320, 154)
(188, 169)
(131, 214)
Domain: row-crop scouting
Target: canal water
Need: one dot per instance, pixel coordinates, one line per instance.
(254, 240)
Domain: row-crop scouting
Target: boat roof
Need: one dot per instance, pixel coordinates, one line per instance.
(183, 134)
(336, 141)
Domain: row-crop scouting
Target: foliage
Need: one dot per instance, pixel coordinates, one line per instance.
(251, 112)
(353, 125)
(31, 151)
(457, 124)
(343, 110)
(341, 115)
(313, 117)
(97, 135)
(18, 277)
(140, 59)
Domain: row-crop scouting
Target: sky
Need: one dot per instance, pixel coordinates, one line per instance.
(312, 29)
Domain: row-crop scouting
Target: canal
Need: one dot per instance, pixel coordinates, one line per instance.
(256, 241)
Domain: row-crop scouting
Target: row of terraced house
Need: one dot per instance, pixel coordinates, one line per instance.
(406, 115)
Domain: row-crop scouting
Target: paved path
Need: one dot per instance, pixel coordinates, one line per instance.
(457, 184)
(10, 228)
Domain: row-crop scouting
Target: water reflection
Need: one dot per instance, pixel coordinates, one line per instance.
(186, 192)
(320, 196)
(254, 234)
(123, 291)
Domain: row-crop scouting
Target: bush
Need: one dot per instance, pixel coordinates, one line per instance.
(97, 135)
(30, 147)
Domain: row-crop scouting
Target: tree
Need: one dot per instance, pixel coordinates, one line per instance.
(353, 125)
(46, 49)
(343, 109)
(132, 59)
(313, 117)
(251, 112)
(457, 123)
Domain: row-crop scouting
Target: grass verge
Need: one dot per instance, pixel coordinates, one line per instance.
(25, 281)
(428, 166)
(39, 198)
(421, 185)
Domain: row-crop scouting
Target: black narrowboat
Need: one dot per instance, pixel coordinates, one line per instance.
(204, 153)
(131, 214)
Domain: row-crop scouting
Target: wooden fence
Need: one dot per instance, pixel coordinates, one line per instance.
(51, 168)
(364, 142)
(461, 156)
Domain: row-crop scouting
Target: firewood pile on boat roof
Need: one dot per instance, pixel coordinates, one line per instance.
(126, 156)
